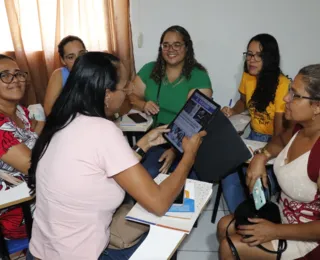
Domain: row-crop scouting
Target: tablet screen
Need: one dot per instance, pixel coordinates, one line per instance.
(194, 116)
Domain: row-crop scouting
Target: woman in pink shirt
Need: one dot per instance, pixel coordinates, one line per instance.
(82, 165)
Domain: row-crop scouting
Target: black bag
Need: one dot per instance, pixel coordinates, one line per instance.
(221, 151)
(245, 210)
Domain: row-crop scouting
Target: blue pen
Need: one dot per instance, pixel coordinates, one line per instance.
(230, 102)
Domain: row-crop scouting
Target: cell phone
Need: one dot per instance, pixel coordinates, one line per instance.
(137, 118)
(179, 199)
(258, 195)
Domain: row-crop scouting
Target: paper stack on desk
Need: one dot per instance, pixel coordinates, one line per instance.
(240, 122)
(126, 124)
(203, 192)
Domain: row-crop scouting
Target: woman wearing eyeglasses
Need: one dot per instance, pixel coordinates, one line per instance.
(17, 137)
(161, 88)
(262, 89)
(297, 170)
(69, 49)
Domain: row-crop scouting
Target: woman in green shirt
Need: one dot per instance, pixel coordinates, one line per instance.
(161, 88)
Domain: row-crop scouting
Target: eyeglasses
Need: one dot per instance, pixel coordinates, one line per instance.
(72, 57)
(293, 95)
(175, 46)
(249, 55)
(7, 77)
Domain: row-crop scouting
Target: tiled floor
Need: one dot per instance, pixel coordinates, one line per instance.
(202, 242)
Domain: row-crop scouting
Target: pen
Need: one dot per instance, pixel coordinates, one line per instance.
(230, 102)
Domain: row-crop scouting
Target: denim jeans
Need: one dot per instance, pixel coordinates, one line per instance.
(112, 254)
(152, 165)
(231, 185)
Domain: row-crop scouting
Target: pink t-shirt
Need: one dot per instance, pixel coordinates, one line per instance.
(76, 194)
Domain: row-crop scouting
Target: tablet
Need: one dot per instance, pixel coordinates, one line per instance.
(196, 114)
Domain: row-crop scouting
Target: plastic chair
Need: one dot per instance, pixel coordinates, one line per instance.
(16, 245)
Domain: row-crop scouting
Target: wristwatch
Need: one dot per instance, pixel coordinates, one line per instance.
(139, 150)
(263, 151)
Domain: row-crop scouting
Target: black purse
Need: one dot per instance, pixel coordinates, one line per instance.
(245, 210)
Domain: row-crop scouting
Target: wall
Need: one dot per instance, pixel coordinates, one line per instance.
(221, 29)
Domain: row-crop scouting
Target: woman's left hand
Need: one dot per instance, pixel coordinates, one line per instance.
(155, 137)
(167, 159)
(261, 231)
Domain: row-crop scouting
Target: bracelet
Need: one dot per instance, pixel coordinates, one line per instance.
(144, 105)
(139, 150)
(263, 151)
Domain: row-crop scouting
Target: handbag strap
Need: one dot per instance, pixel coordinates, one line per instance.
(282, 246)
(155, 122)
(231, 245)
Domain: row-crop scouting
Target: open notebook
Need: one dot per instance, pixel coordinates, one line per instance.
(203, 192)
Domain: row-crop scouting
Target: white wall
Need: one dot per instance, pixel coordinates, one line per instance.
(221, 29)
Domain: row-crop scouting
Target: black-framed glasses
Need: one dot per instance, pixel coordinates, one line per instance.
(293, 96)
(249, 55)
(175, 46)
(7, 77)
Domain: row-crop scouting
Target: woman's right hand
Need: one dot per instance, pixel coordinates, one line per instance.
(227, 111)
(151, 108)
(191, 145)
(257, 169)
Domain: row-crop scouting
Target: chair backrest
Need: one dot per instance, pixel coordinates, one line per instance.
(16, 245)
(221, 151)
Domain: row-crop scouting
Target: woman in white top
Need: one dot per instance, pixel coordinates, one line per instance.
(82, 165)
(299, 200)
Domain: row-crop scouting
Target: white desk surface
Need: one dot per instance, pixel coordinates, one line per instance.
(14, 196)
(160, 244)
(126, 124)
(254, 145)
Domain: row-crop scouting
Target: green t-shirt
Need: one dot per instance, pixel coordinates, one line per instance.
(173, 95)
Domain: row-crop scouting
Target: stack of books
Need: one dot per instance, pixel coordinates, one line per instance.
(187, 209)
(183, 216)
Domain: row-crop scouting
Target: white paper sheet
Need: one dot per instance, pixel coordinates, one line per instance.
(159, 244)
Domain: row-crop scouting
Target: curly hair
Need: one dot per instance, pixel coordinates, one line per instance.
(159, 70)
(268, 78)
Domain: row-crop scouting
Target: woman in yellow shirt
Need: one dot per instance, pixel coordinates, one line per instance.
(262, 89)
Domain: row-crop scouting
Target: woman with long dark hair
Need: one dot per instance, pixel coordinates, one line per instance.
(262, 89)
(161, 88)
(82, 165)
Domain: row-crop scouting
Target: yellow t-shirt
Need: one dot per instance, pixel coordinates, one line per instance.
(263, 122)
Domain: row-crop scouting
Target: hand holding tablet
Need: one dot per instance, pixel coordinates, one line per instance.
(196, 114)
